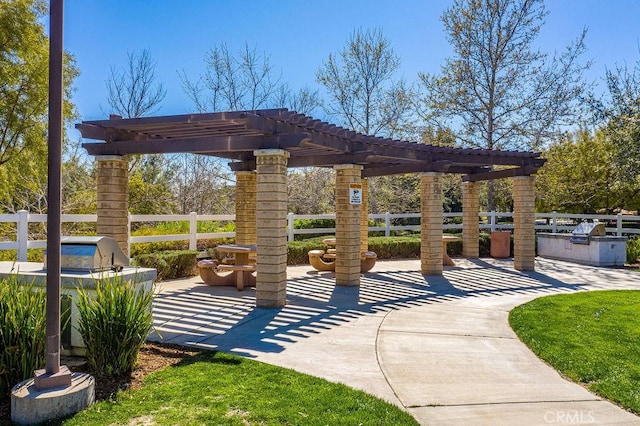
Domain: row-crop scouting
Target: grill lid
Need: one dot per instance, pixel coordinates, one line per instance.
(585, 230)
(590, 229)
(91, 254)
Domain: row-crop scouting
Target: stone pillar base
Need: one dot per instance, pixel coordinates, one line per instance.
(31, 406)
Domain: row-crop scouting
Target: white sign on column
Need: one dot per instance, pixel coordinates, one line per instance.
(355, 193)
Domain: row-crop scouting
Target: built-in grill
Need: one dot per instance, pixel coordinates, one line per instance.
(585, 230)
(90, 254)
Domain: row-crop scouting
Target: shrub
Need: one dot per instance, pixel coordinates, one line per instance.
(170, 264)
(138, 249)
(395, 247)
(114, 324)
(297, 250)
(33, 255)
(485, 244)
(22, 332)
(633, 250)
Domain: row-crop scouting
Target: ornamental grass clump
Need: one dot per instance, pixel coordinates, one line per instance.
(22, 332)
(114, 324)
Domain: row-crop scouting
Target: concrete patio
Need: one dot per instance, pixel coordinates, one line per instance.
(439, 347)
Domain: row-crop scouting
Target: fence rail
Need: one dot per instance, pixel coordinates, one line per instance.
(387, 223)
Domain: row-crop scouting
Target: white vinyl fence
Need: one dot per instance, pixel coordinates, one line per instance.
(387, 223)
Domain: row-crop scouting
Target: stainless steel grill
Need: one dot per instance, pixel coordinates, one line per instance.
(585, 230)
(90, 254)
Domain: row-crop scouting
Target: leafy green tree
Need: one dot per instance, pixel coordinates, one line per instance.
(24, 64)
(498, 91)
(581, 176)
(150, 186)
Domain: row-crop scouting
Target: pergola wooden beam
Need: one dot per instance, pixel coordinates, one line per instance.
(211, 145)
(236, 135)
(500, 174)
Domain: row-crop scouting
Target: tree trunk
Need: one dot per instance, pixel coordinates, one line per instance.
(491, 195)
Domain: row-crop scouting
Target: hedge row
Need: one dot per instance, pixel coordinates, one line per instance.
(385, 247)
(182, 263)
(170, 264)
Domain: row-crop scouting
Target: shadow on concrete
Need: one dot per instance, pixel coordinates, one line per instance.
(224, 319)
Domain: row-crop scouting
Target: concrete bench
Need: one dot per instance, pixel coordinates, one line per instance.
(318, 262)
(243, 274)
(208, 272)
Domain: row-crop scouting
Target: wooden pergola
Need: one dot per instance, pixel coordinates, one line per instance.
(262, 144)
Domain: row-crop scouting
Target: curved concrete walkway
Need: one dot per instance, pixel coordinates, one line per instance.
(439, 347)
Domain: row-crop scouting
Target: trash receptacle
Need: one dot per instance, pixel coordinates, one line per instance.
(500, 244)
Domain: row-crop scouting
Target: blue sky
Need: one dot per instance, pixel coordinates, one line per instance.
(299, 35)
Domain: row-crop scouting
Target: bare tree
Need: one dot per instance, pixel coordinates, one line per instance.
(311, 190)
(244, 81)
(304, 101)
(618, 112)
(498, 91)
(364, 97)
(363, 94)
(134, 91)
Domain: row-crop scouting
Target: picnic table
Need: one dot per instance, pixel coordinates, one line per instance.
(241, 267)
(325, 261)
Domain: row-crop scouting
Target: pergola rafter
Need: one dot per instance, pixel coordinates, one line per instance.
(309, 142)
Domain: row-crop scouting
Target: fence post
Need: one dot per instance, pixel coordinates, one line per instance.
(290, 233)
(193, 231)
(619, 225)
(129, 233)
(554, 222)
(387, 224)
(492, 214)
(22, 234)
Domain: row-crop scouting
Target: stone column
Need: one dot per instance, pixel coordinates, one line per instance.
(347, 226)
(271, 217)
(113, 199)
(246, 208)
(524, 232)
(470, 225)
(431, 223)
(364, 217)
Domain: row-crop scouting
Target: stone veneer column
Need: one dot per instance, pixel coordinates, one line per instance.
(271, 217)
(347, 226)
(246, 225)
(113, 199)
(524, 232)
(431, 223)
(470, 224)
(364, 217)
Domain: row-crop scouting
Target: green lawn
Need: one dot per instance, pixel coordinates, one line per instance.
(592, 338)
(220, 389)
